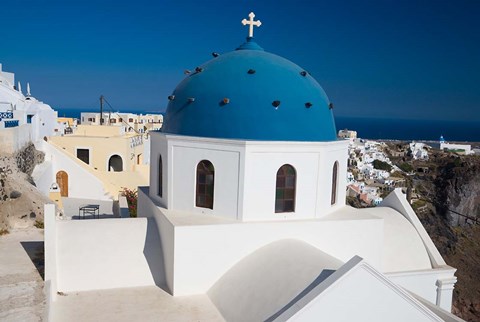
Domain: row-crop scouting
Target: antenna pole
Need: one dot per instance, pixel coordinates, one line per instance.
(101, 109)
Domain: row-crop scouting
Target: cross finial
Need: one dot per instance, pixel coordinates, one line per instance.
(252, 23)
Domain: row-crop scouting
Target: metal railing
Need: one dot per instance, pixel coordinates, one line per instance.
(11, 123)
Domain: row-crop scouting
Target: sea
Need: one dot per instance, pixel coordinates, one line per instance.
(376, 128)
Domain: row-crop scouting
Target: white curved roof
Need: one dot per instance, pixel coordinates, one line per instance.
(268, 279)
(403, 249)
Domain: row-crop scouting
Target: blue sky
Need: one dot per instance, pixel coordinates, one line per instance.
(391, 59)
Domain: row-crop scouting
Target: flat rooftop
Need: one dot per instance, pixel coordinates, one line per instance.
(180, 218)
(149, 303)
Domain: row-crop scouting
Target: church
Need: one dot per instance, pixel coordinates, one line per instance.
(246, 206)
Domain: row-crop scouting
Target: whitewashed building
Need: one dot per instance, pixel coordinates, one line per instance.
(140, 123)
(419, 150)
(23, 118)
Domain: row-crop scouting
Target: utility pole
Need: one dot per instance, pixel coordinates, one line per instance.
(101, 109)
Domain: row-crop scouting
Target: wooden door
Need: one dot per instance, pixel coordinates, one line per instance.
(62, 181)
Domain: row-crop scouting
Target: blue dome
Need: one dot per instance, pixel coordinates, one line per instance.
(250, 94)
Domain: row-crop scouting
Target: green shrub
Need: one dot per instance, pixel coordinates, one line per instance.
(406, 167)
(380, 165)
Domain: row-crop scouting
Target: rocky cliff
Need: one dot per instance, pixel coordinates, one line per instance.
(21, 204)
(457, 189)
(447, 201)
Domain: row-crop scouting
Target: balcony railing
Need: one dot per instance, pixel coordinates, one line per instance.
(12, 123)
(6, 115)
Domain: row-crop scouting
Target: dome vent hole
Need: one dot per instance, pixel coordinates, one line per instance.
(308, 104)
(191, 99)
(276, 104)
(303, 73)
(171, 97)
(251, 71)
(330, 106)
(214, 54)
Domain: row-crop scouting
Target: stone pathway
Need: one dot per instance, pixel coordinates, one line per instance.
(21, 285)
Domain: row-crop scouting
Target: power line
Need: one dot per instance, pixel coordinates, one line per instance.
(117, 113)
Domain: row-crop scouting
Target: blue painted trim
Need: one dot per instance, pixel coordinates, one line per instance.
(12, 123)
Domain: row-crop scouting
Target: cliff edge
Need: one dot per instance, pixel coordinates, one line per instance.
(21, 204)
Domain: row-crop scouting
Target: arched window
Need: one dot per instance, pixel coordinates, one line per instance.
(334, 183)
(285, 189)
(205, 184)
(160, 176)
(115, 163)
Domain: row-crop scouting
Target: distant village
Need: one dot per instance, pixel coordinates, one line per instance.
(372, 175)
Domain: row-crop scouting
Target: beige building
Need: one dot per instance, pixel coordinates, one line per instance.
(114, 156)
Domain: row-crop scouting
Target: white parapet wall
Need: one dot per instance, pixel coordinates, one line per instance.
(91, 255)
(166, 232)
(420, 282)
(95, 254)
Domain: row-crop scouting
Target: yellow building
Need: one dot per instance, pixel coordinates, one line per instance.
(115, 157)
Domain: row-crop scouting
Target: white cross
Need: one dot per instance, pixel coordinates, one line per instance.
(252, 23)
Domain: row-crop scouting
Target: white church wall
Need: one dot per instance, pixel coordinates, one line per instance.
(185, 160)
(158, 146)
(245, 175)
(333, 152)
(218, 247)
(313, 163)
(184, 154)
(89, 256)
(260, 183)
